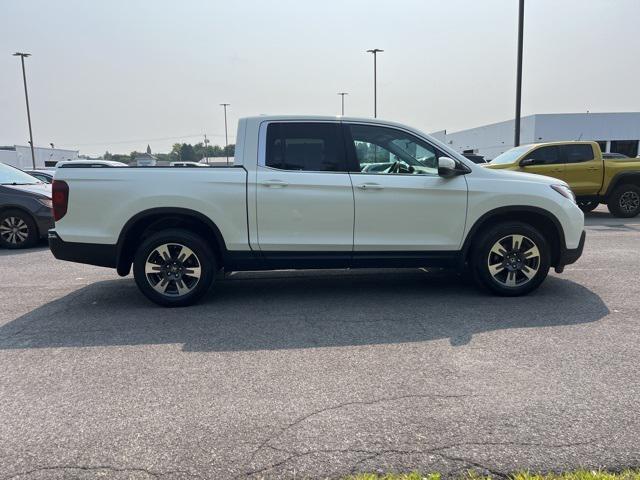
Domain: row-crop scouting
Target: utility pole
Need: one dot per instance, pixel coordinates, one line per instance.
(26, 97)
(226, 138)
(342, 94)
(516, 138)
(206, 143)
(375, 52)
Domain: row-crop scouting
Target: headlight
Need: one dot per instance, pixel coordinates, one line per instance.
(46, 202)
(565, 192)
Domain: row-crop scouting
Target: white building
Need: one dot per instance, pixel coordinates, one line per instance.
(20, 156)
(615, 132)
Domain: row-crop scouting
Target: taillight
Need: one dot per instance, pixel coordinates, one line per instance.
(60, 198)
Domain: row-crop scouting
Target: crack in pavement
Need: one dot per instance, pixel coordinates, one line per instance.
(373, 454)
(90, 468)
(303, 418)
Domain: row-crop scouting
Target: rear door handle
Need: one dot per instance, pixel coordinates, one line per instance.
(275, 183)
(370, 186)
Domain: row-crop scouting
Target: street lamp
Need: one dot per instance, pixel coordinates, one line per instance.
(375, 52)
(342, 94)
(226, 138)
(516, 138)
(26, 97)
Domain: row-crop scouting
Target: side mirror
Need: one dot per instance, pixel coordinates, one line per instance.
(447, 167)
(528, 162)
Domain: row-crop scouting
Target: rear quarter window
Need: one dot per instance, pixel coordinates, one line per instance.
(578, 153)
(313, 147)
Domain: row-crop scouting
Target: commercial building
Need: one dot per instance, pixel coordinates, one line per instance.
(615, 132)
(20, 156)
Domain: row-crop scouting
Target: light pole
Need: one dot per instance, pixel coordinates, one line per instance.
(516, 138)
(226, 138)
(342, 94)
(26, 97)
(375, 52)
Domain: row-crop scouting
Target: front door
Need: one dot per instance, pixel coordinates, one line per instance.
(548, 161)
(401, 203)
(304, 194)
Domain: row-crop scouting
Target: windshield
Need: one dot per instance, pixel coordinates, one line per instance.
(13, 176)
(510, 156)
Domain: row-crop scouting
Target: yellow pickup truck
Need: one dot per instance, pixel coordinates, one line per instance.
(594, 180)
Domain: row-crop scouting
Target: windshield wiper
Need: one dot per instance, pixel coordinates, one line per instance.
(16, 183)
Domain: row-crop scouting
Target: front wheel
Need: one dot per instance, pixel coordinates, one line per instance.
(17, 229)
(174, 268)
(624, 202)
(510, 259)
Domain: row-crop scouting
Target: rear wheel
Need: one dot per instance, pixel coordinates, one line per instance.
(174, 268)
(17, 229)
(587, 205)
(624, 202)
(510, 259)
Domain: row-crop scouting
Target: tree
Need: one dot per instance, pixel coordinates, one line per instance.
(187, 154)
(107, 155)
(229, 150)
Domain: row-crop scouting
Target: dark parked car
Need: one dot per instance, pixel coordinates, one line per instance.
(475, 158)
(25, 208)
(45, 176)
(613, 156)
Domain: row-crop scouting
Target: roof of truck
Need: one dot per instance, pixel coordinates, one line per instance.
(325, 118)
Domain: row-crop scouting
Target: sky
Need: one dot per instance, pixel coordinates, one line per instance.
(120, 74)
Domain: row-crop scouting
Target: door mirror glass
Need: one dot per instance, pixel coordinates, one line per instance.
(447, 167)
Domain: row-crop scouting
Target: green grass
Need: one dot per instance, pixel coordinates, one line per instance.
(577, 475)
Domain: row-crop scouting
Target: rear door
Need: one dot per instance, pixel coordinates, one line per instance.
(583, 168)
(548, 161)
(304, 193)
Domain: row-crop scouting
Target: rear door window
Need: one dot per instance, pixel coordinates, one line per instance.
(580, 152)
(306, 146)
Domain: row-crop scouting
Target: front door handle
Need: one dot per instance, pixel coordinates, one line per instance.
(275, 183)
(370, 186)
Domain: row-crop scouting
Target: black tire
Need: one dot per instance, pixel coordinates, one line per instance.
(17, 230)
(525, 272)
(587, 205)
(624, 202)
(177, 270)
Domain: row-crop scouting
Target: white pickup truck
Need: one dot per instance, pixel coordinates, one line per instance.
(316, 192)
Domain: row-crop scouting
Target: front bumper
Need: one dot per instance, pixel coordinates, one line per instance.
(101, 255)
(570, 255)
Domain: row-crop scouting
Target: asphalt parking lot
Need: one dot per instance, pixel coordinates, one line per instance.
(296, 375)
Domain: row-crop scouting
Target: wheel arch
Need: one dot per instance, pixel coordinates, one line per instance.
(622, 178)
(541, 219)
(153, 220)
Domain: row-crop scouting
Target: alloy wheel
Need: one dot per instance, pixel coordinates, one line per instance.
(14, 230)
(173, 269)
(629, 201)
(514, 260)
